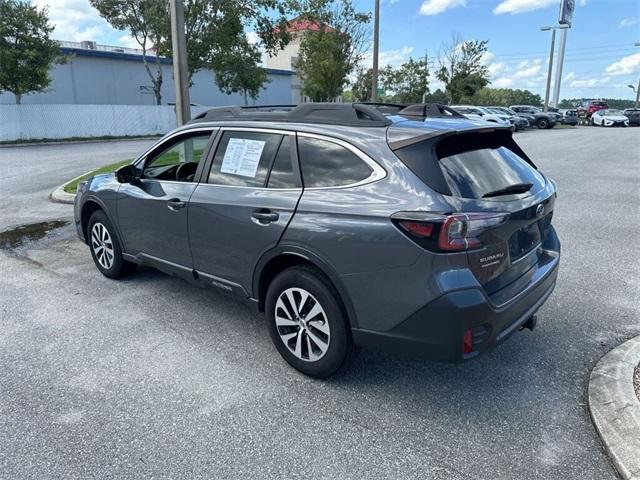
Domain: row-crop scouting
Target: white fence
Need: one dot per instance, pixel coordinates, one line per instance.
(33, 122)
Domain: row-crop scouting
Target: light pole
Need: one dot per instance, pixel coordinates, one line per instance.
(559, 64)
(636, 89)
(376, 41)
(550, 68)
(553, 45)
(179, 48)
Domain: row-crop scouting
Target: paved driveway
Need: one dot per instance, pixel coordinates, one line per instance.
(150, 377)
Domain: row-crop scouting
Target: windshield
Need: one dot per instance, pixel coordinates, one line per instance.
(612, 112)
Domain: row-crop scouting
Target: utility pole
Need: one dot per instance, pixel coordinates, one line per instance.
(553, 46)
(556, 90)
(179, 47)
(376, 41)
(638, 95)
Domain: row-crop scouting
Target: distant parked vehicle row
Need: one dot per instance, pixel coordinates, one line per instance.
(633, 114)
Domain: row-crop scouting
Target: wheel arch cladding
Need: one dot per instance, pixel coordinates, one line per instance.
(88, 209)
(280, 262)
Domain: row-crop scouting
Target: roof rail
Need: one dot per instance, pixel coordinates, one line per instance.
(385, 107)
(348, 114)
(431, 110)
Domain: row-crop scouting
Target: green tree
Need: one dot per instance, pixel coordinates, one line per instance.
(618, 103)
(214, 31)
(437, 97)
(147, 22)
(328, 55)
(238, 70)
(461, 68)
(408, 83)
(26, 51)
(504, 97)
(361, 88)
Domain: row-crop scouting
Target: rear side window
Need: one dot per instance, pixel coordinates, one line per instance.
(327, 164)
(243, 159)
(281, 175)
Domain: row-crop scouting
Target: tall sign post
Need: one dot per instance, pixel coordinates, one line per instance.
(565, 17)
(376, 41)
(179, 48)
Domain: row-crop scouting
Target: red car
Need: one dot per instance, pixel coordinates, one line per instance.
(587, 108)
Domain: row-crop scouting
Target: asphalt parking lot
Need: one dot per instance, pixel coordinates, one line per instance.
(151, 377)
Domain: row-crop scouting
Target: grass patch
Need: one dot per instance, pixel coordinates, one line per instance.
(72, 186)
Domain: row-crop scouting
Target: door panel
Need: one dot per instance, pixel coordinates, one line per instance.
(231, 227)
(153, 225)
(153, 210)
(234, 218)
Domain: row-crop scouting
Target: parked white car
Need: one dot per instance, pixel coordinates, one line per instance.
(481, 113)
(609, 118)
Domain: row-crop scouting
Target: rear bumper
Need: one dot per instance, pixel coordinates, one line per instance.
(436, 330)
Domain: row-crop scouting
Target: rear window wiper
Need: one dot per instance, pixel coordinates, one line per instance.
(515, 188)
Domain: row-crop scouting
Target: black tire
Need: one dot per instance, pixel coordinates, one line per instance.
(112, 266)
(340, 348)
(592, 122)
(542, 123)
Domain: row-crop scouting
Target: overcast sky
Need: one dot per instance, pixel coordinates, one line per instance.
(600, 61)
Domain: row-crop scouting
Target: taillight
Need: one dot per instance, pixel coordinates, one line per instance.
(447, 233)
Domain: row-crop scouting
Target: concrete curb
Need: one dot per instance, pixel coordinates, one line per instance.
(60, 196)
(615, 409)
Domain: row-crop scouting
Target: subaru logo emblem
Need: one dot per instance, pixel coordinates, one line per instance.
(539, 210)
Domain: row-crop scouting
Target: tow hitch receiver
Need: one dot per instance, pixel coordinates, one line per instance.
(531, 323)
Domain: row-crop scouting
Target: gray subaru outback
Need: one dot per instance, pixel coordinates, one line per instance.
(414, 230)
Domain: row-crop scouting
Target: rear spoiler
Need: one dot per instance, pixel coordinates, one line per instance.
(502, 137)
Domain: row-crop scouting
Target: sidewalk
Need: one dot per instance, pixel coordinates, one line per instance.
(615, 408)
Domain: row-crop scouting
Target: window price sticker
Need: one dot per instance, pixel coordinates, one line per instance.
(242, 157)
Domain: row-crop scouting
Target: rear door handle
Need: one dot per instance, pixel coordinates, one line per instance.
(265, 216)
(175, 204)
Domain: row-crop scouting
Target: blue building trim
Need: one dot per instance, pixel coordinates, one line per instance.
(138, 58)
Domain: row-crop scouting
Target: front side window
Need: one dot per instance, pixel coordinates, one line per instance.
(243, 159)
(178, 161)
(328, 164)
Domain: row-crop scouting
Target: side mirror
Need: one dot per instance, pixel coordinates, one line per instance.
(127, 174)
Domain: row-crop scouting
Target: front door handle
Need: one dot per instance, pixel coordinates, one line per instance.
(175, 204)
(265, 216)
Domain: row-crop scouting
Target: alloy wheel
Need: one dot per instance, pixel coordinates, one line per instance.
(102, 245)
(302, 324)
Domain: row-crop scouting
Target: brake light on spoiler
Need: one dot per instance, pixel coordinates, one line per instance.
(447, 232)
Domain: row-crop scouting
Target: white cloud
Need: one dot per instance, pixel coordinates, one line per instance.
(128, 41)
(569, 77)
(591, 82)
(395, 58)
(503, 82)
(521, 6)
(252, 38)
(628, 22)
(434, 7)
(625, 66)
(75, 20)
(528, 69)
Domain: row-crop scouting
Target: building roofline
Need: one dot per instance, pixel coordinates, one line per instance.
(138, 58)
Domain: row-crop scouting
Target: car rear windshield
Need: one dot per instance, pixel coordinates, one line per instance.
(473, 165)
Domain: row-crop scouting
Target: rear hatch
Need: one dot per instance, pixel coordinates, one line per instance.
(508, 204)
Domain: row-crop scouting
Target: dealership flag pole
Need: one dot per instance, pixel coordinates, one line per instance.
(179, 47)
